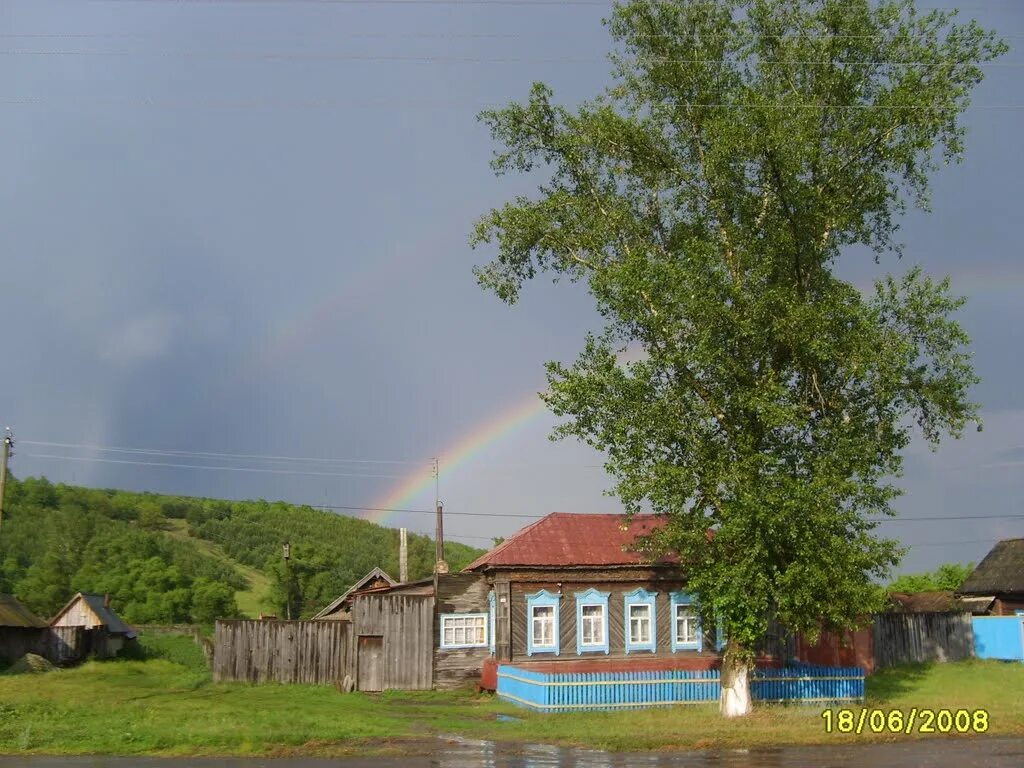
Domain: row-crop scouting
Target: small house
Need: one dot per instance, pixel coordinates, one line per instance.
(93, 612)
(21, 631)
(569, 612)
(998, 579)
(571, 591)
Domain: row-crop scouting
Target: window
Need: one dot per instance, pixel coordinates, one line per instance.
(686, 629)
(464, 630)
(542, 623)
(543, 626)
(686, 625)
(592, 622)
(641, 624)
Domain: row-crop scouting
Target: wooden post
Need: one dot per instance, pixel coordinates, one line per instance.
(403, 555)
(5, 454)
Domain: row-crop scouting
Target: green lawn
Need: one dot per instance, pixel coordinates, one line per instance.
(166, 704)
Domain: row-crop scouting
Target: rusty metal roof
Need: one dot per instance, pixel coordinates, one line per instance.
(565, 539)
(14, 614)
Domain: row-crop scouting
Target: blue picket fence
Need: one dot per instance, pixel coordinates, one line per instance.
(568, 692)
(999, 637)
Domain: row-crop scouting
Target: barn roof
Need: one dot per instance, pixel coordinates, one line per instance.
(14, 614)
(114, 623)
(377, 574)
(1001, 572)
(926, 602)
(567, 539)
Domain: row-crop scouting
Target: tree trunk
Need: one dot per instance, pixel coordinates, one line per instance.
(735, 700)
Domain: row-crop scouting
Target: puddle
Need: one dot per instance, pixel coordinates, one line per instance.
(508, 719)
(458, 752)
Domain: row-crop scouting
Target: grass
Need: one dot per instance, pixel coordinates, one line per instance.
(251, 601)
(166, 704)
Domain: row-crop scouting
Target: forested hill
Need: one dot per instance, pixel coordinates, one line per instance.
(166, 559)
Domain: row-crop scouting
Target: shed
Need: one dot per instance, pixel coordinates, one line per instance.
(93, 612)
(340, 609)
(999, 577)
(21, 631)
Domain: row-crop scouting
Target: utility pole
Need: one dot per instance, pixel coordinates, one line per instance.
(4, 456)
(288, 581)
(440, 566)
(403, 555)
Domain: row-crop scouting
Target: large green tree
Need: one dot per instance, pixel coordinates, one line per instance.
(705, 199)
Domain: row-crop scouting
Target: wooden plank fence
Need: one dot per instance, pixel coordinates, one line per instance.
(906, 638)
(316, 652)
(568, 692)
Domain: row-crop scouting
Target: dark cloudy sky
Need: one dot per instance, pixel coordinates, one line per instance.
(235, 227)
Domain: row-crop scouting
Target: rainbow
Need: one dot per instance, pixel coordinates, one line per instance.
(347, 298)
(457, 455)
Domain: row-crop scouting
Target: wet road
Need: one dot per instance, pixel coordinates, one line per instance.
(933, 753)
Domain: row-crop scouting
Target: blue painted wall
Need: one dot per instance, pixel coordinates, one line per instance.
(999, 637)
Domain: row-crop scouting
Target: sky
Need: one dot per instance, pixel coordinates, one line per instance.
(235, 248)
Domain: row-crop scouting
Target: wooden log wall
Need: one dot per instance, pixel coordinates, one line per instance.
(404, 623)
(458, 593)
(314, 652)
(519, 624)
(905, 638)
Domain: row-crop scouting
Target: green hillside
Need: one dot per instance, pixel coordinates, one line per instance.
(167, 559)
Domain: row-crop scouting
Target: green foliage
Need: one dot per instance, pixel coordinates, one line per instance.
(329, 553)
(58, 540)
(947, 577)
(705, 199)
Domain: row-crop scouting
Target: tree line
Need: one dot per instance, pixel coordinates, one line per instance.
(147, 552)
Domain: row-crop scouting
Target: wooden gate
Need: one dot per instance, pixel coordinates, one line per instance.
(371, 663)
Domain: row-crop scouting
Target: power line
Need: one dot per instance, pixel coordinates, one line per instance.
(529, 3)
(257, 470)
(446, 36)
(946, 517)
(325, 104)
(211, 454)
(433, 59)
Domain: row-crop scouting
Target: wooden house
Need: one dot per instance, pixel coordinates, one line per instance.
(571, 590)
(999, 578)
(93, 612)
(578, 590)
(21, 631)
(570, 594)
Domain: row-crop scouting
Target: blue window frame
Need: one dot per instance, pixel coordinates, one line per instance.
(719, 634)
(641, 620)
(542, 623)
(491, 610)
(687, 633)
(592, 622)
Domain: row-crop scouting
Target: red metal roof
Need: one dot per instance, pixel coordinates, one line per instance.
(566, 539)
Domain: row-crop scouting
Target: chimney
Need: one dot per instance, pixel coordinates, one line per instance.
(403, 555)
(441, 566)
(106, 601)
